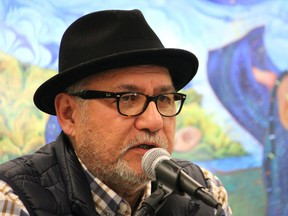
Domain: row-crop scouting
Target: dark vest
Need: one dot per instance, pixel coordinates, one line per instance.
(51, 182)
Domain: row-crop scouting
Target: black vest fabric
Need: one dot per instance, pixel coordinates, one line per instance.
(51, 182)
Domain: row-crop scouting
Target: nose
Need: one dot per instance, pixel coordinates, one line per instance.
(150, 119)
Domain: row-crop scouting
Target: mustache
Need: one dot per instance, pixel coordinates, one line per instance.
(146, 138)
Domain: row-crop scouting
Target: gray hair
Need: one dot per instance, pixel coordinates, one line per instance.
(78, 87)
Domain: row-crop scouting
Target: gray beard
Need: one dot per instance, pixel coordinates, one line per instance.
(121, 177)
(118, 176)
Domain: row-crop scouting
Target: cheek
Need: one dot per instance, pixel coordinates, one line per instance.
(169, 130)
(108, 131)
(98, 144)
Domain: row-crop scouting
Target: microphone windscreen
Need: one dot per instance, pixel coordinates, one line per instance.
(151, 159)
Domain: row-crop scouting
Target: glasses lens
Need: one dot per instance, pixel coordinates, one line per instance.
(169, 104)
(131, 103)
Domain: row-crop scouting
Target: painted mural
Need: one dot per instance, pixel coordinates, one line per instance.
(235, 120)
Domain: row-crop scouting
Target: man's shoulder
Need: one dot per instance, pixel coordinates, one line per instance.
(33, 163)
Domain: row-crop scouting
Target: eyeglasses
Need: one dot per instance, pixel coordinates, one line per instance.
(134, 103)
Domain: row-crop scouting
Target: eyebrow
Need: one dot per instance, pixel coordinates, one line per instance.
(133, 88)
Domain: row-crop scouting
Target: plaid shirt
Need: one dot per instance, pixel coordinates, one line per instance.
(107, 202)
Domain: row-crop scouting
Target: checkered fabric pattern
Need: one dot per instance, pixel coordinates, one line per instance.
(107, 202)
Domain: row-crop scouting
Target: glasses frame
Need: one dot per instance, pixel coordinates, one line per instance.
(94, 94)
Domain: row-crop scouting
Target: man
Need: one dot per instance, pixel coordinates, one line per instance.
(115, 98)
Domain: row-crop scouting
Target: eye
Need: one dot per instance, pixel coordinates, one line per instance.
(130, 97)
(165, 99)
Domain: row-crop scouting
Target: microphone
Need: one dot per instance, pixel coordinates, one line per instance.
(158, 165)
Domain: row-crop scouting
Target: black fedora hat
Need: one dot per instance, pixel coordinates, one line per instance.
(111, 39)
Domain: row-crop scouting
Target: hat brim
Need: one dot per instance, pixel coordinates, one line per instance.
(182, 66)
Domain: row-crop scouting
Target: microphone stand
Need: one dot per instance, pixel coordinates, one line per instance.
(168, 186)
(152, 204)
(196, 190)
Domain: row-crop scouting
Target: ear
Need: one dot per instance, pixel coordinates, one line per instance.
(65, 106)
